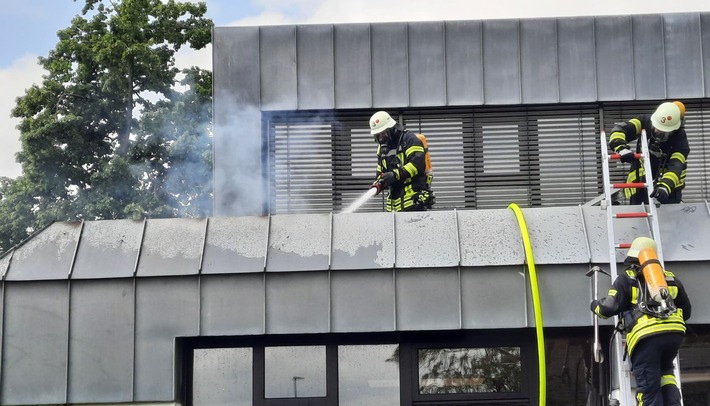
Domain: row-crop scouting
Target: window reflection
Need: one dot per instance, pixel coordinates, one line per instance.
(469, 370)
(368, 375)
(695, 369)
(295, 372)
(222, 376)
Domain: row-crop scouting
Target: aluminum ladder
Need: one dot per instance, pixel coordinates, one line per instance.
(622, 388)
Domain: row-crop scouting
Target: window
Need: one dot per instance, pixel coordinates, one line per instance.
(292, 372)
(368, 375)
(222, 376)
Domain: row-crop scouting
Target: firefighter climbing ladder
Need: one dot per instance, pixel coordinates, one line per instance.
(621, 391)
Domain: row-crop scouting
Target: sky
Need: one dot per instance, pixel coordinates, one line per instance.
(28, 30)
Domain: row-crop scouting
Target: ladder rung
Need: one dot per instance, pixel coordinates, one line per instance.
(632, 215)
(623, 245)
(617, 156)
(638, 185)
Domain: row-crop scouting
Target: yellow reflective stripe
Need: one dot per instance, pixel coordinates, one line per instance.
(634, 294)
(612, 292)
(668, 274)
(631, 273)
(637, 123)
(598, 311)
(678, 156)
(414, 149)
(639, 398)
(648, 325)
(673, 290)
(411, 169)
(668, 380)
(618, 135)
(672, 177)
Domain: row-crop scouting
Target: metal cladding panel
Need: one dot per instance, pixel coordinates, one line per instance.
(362, 301)
(390, 67)
(353, 69)
(427, 64)
(684, 63)
(499, 291)
(597, 236)
(685, 231)
(577, 61)
(705, 40)
(101, 344)
(297, 303)
(538, 61)
(165, 308)
(108, 249)
(435, 230)
(35, 343)
(649, 67)
(236, 81)
(694, 277)
(299, 243)
(277, 50)
(428, 299)
(232, 304)
(235, 245)
(48, 255)
(316, 80)
(464, 62)
(172, 247)
(557, 235)
(614, 55)
(5, 264)
(501, 62)
(485, 234)
(562, 307)
(360, 242)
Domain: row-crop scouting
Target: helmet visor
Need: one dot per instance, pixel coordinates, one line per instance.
(661, 136)
(383, 137)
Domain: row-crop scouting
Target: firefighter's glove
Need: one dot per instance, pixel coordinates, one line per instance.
(626, 155)
(593, 305)
(388, 179)
(661, 193)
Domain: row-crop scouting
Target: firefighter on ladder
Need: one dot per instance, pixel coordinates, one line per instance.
(668, 147)
(403, 165)
(653, 333)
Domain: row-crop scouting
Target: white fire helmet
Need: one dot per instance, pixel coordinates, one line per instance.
(640, 243)
(381, 121)
(667, 117)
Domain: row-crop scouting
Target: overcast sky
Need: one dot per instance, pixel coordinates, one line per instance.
(28, 29)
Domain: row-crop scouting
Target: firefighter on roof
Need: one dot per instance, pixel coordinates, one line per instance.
(668, 147)
(403, 165)
(654, 321)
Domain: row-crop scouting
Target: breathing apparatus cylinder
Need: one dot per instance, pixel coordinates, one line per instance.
(427, 159)
(653, 275)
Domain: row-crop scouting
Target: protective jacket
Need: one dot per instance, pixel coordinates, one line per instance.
(404, 155)
(623, 299)
(668, 158)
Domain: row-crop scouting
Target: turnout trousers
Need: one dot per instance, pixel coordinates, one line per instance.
(652, 362)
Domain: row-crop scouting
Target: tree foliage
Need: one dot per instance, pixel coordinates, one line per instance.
(115, 129)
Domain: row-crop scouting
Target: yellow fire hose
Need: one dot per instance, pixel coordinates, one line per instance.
(536, 302)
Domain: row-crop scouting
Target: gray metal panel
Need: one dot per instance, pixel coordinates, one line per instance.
(577, 60)
(108, 249)
(597, 236)
(557, 235)
(614, 55)
(485, 234)
(235, 245)
(232, 304)
(48, 255)
(353, 69)
(362, 301)
(277, 50)
(297, 302)
(236, 81)
(494, 290)
(427, 299)
(464, 62)
(438, 229)
(390, 77)
(694, 276)
(172, 247)
(101, 345)
(316, 81)
(427, 64)
(565, 294)
(649, 67)
(501, 62)
(705, 40)
(684, 231)
(35, 343)
(165, 308)
(5, 264)
(360, 243)
(684, 69)
(299, 242)
(538, 60)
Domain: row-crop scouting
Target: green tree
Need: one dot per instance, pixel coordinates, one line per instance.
(108, 134)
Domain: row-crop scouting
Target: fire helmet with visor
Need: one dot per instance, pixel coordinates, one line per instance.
(666, 119)
(380, 123)
(639, 244)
